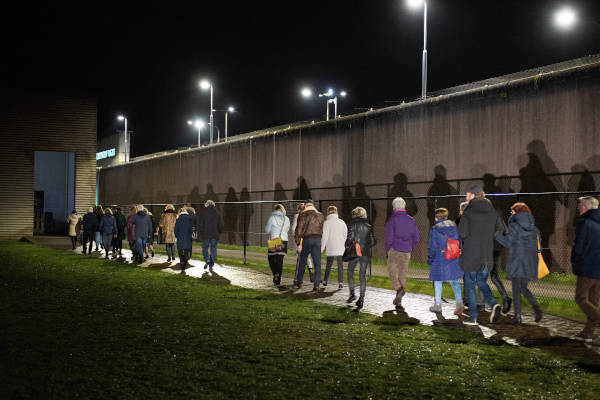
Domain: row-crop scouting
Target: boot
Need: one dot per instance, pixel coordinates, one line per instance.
(436, 308)
(459, 309)
(516, 320)
(506, 303)
(538, 314)
(310, 274)
(351, 298)
(360, 302)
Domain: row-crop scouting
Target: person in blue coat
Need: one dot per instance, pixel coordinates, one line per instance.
(440, 268)
(108, 229)
(522, 266)
(183, 234)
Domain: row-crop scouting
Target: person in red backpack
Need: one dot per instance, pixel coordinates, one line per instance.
(442, 258)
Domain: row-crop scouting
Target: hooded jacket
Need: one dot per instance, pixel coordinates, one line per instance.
(441, 269)
(477, 226)
(585, 256)
(401, 233)
(522, 243)
(209, 223)
(335, 233)
(278, 225)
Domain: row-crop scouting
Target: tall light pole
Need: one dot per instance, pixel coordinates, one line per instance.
(126, 139)
(198, 124)
(229, 109)
(416, 4)
(206, 85)
(333, 98)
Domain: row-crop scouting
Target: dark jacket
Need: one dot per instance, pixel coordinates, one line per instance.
(310, 224)
(441, 269)
(210, 224)
(401, 233)
(121, 225)
(585, 256)
(142, 225)
(479, 222)
(522, 243)
(90, 222)
(108, 225)
(183, 231)
(359, 231)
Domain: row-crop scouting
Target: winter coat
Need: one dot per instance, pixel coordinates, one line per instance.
(477, 226)
(274, 226)
(90, 222)
(521, 240)
(130, 228)
(121, 225)
(142, 225)
(108, 225)
(183, 231)
(73, 220)
(585, 256)
(335, 233)
(167, 226)
(441, 269)
(401, 233)
(359, 231)
(310, 224)
(210, 224)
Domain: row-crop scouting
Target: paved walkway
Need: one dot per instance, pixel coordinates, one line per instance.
(551, 331)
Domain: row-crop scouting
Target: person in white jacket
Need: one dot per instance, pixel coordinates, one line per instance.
(334, 236)
(277, 226)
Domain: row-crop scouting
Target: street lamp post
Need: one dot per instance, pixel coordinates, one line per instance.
(126, 140)
(206, 85)
(415, 4)
(333, 100)
(229, 109)
(198, 124)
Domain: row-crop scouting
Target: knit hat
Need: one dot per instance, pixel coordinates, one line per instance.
(474, 189)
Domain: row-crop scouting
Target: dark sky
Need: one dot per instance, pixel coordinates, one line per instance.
(145, 59)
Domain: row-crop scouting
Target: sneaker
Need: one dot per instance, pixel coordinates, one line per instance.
(205, 265)
(168, 259)
(341, 285)
(582, 337)
(495, 315)
(538, 315)
(297, 285)
(436, 308)
(471, 322)
(506, 306)
(324, 283)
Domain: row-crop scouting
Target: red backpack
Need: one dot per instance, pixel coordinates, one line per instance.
(452, 250)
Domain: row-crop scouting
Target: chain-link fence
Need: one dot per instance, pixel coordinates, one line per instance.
(555, 215)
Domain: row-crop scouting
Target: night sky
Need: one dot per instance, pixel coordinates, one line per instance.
(145, 59)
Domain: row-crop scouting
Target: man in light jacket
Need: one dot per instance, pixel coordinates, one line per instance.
(401, 237)
(334, 236)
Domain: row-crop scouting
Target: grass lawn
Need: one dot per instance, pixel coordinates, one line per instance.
(74, 326)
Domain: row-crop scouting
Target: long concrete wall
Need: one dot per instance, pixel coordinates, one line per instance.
(540, 135)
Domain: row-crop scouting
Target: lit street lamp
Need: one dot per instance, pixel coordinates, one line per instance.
(198, 124)
(416, 4)
(206, 85)
(126, 139)
(229, 109)
(306, 92)
(565, 18)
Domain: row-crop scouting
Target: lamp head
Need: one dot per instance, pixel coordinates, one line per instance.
(204, 84)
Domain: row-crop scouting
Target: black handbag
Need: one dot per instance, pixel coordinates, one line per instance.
(350, 252)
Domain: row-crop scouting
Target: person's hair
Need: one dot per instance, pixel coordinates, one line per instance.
(169, 207)
(300, 207)
(279, 207)
(209, 203)
(190, 208)
(108, 211)
(118, 209)
(589, 202)
(74, 212)
(99, 209)
(133, 209)
(146, 210)
(140, 207)
(332, 210)
(441, 212)
(520, 207)
(479, 195)
(90, 209)
(463, 205)
(359, 212)
(398, 204)
(182, 210)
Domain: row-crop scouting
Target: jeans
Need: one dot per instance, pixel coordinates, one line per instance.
(437, 288)
(170, 247)
(310, 246)
(98, 239)
(209, 259)
(340, 265)
(141, 248)
(88, 236)
(587, 297)
(73, 241)
(519, 287)
(362, 273)
(478, 278)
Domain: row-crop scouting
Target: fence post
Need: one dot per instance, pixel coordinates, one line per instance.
(245, 230)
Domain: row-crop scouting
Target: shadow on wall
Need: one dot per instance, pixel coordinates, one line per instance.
(302, 192)
(231, 213)
(279, 193)
(441, 187)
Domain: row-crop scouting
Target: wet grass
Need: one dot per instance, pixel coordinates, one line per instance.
(74, 326)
